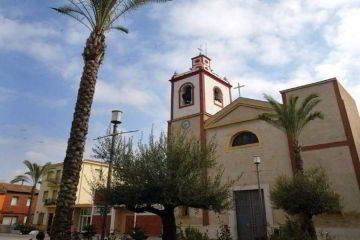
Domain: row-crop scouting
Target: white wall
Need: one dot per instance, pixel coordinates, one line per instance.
(189, 110)
(209, 95)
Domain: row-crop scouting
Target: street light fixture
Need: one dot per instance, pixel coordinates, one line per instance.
(257, 161)
(116, 116)
(115, 120)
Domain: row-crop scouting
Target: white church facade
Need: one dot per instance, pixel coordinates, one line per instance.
(201, 103)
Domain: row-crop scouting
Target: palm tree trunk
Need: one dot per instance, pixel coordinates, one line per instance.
(29, 215)
(299, 164)
(93, 55)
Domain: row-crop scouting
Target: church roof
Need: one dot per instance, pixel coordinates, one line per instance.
(258, 105)
(309, 85)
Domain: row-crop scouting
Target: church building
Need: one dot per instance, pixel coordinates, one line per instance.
(201, 103)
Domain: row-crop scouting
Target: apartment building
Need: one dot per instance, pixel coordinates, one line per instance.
(14, 203)
(84, 213)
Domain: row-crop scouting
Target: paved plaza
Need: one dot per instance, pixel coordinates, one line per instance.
(338, 233)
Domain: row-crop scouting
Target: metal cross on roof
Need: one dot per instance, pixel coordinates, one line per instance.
(239, 88)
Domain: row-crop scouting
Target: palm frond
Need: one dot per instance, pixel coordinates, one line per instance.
(314, 115)
(308, 99)
(21, 178)
(277, 107)
(126, 6)
(74, 13)
(120, 28)
(289, 116)
(100, 15)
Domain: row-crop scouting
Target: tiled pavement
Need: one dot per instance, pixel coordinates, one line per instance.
(339, 233)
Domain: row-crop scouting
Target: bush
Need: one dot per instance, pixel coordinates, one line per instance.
(25, 229)
(138, 234)
(191, 234)
(75, 236)
(224, 233)
(308, 193)
(40, 235)
(89, 231)
(305, 195)
(291, 230)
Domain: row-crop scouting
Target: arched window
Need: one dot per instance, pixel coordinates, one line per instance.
(244, 138)
(186, 94)
(218, 97)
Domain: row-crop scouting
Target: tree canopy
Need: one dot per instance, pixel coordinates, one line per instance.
(309, 193)
(101, 15)
(167, 173)
(291, 117)
(31, 176)
(33, 173)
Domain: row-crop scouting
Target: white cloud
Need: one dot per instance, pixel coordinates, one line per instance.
(42, 42)
(294, 41)
(6, 94)
(46, 150)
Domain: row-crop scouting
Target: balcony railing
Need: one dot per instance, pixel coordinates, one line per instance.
(50, 201)
(54, 180)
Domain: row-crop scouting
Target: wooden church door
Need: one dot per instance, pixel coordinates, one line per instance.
(250, 226)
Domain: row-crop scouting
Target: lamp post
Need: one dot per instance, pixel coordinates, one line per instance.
(115, 120)
(257, 161)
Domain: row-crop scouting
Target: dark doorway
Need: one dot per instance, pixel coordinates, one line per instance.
(49, 223)
(250, 226)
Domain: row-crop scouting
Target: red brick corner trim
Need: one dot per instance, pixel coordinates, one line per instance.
(348, 132)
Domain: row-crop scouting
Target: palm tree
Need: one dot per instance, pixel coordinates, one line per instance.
(292, 120)
(99, 16)
(32, 176)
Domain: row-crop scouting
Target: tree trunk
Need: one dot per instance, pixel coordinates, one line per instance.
(93, 55)
(299, 164)
(169, 224)
(307, 225)
(29, 215)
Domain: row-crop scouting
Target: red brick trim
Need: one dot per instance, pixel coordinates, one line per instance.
(290, 144)
(202, 93)
(201, 55)
(216, 78)
(205, 212)
(172, 102)
(186, 75)
(324, 145)
(348, 132)
(201, 70)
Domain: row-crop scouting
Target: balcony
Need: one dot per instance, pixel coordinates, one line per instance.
(53, 181)
(50, 202)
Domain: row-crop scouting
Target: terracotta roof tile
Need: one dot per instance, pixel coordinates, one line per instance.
(9, 187)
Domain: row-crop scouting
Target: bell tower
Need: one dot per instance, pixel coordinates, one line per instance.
(196, 95)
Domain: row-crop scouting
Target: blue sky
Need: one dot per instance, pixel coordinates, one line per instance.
(266, 45)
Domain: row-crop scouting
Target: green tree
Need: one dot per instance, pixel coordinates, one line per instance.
(293, 119)
(33, 177)
(168, 173)
(304, 196)
(99, 16)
